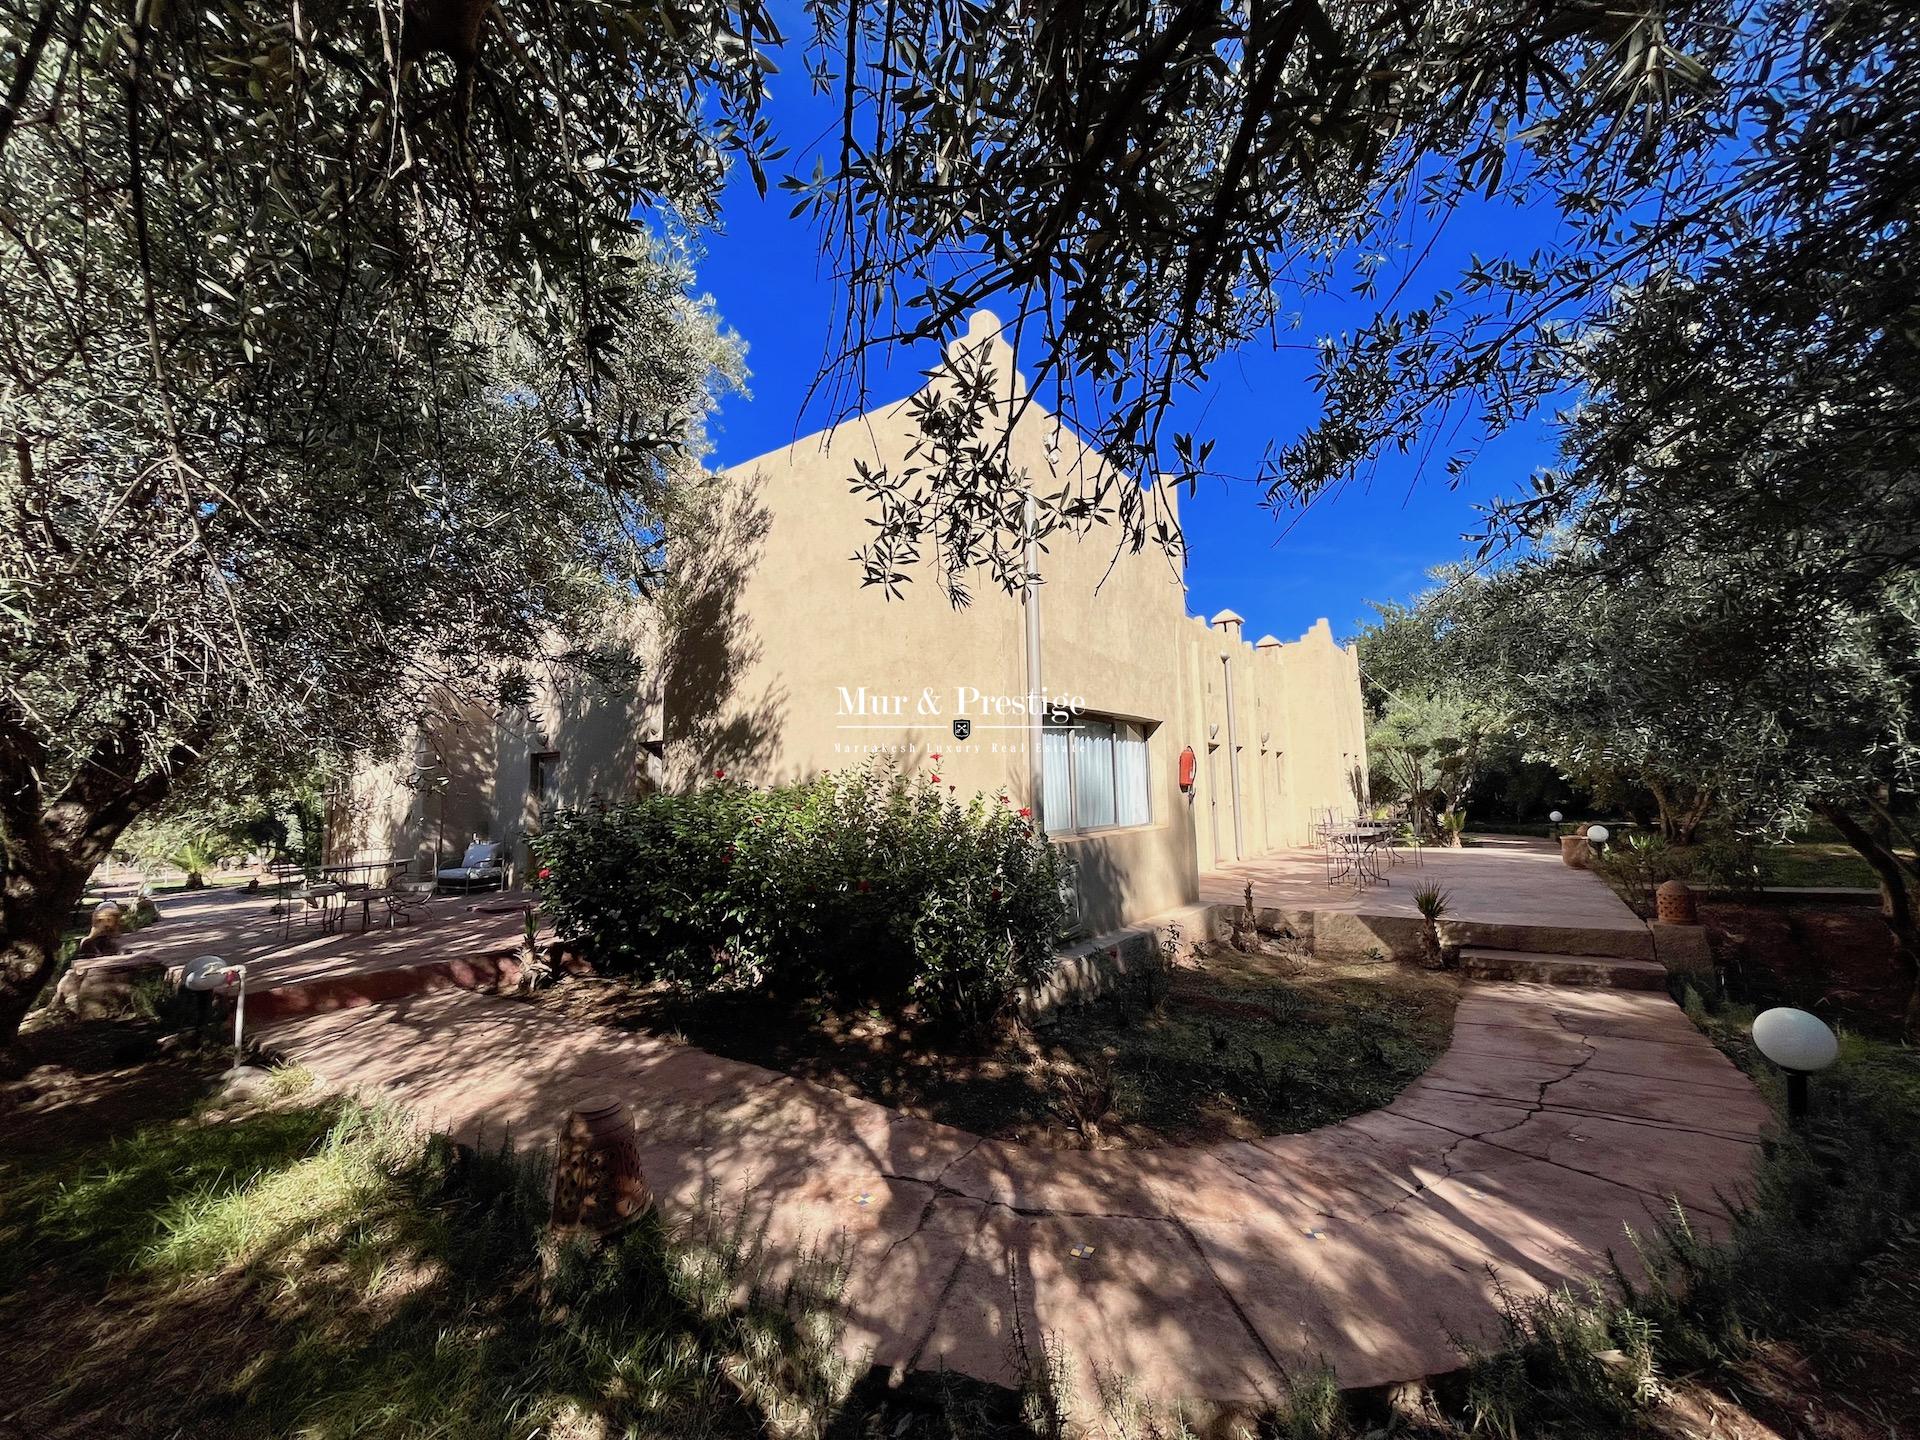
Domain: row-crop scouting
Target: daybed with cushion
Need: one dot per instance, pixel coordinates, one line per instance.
(483, 864)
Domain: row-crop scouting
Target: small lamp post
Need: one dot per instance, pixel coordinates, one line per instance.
(1800, 1044)
(1598, 835)
(1556, 817)
(209, 973)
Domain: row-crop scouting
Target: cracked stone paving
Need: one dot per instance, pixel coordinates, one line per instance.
(1557, 1120)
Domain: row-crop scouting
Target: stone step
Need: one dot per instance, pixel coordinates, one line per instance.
(1594, 971)
(1628, 940)
(380, 984)
(1093, 967)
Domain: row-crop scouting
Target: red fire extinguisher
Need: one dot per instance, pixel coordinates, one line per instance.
(1188, 765)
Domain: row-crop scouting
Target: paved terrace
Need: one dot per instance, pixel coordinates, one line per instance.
(1509, 891)
(1557, 1119)
(449, 942)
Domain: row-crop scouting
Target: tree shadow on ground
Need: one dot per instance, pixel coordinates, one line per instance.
(81, 1082)
(326, 1271)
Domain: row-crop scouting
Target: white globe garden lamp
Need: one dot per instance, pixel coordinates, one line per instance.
(1598, 834)
(1556, 817)
(1800, 1044)
(209, 973)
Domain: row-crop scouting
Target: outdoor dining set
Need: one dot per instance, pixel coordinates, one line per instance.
(1357, 852)
(326, 896)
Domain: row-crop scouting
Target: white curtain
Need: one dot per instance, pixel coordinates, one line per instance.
(1093, 774)
(1133, 806)
(1056, 802)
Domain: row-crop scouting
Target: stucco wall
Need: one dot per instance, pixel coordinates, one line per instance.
(589, 732)
(767, 658)
(826, 672)
(433, 801)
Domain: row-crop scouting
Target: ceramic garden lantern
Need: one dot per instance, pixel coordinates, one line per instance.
(597, 1183)
(1673, 904)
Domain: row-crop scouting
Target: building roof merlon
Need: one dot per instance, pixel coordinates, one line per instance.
(1226, 617)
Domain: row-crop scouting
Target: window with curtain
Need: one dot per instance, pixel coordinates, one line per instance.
(1096, 775)
(1056, 760)
(1132, 806)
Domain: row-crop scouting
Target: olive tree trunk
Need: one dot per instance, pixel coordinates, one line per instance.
(34, 917)
(1898, 906)
(51, 842)
(1680, 820)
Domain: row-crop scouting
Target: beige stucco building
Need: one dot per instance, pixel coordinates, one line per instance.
(769, 659)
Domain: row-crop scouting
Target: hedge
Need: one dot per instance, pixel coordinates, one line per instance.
(857, 886)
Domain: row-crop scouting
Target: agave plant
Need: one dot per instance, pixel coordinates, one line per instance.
(1434, 903)
(536, 966)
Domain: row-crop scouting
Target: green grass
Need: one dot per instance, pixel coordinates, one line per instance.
(358, 1279)
(327, 1271)
(1257, 1045)
(1819, 857)
(1810, 862)
(1803, 863)
(102, 1217)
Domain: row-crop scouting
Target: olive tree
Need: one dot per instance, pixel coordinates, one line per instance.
(1143, 186)
(1727, 576)
(340, 366)
(312, 315)
(1727, 677)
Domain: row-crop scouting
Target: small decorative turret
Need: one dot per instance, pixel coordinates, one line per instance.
(1228, 621)
(1267, 642)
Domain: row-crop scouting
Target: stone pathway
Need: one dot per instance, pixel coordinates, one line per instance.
(1557, 1118)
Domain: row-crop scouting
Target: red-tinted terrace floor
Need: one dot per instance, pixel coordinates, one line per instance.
(338, 968)
(1502, 880)
(1557, 1119)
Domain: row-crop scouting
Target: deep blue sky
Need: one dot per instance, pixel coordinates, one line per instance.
(1372, 542)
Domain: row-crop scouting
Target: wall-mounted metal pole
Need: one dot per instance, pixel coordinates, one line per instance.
(1233, 759)
(1036, 722)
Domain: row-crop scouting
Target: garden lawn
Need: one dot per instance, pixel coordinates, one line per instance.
(1812, 862)
(1224, 1046)
(324, 1270)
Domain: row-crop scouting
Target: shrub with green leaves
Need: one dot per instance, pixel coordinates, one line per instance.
(1639, 864)
(857, 885)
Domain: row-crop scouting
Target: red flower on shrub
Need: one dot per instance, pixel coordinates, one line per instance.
(864, 887)
(719, 774)
(935, 757)
(545, 872)
(996, 892)
(726, 857)
(934, 778)
(1026, 812)
(1006, 800)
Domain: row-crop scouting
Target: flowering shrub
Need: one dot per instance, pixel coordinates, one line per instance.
(856, 885)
